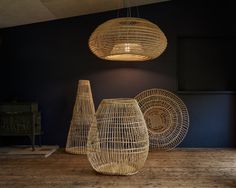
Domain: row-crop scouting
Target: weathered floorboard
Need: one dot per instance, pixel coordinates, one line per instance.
(177, 168)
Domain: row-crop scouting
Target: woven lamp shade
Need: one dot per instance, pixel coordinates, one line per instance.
(83, 117)
(127, 39)
(118, 143)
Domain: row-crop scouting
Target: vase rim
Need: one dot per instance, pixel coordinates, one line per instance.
(120, 100)
(84, 82)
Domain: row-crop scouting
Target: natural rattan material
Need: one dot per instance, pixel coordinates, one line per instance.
(83, 116)
(166, 117)
(118, 143)
(127, 39)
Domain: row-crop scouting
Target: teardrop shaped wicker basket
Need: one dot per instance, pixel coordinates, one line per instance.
(118, 143)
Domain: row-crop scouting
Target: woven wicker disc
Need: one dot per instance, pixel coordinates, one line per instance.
(166, 117)
(127, 39)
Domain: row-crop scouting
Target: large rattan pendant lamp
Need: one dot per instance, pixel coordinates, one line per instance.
(127, 39)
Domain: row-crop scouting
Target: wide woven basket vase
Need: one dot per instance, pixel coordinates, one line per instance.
(118, 142)
(83, 116)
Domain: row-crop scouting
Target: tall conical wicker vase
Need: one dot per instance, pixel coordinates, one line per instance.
(83, 116)
(118, 142)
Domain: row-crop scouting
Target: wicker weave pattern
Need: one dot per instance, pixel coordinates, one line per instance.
(127, 39)
(118, 143)
(83, 116)
(166, 117)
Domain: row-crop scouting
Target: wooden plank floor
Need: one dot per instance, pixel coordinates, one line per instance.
(178, 168)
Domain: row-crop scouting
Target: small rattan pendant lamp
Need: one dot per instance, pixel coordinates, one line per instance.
(127, 39)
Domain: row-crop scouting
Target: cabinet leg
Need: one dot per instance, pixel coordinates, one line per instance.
(40, 140)
(33, 142)
(33, 132)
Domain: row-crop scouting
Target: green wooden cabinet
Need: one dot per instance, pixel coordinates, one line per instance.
(20, 119)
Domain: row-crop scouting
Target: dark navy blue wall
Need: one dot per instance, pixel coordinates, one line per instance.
(43, 62)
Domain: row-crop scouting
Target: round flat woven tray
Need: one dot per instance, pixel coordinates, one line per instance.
(166, 117)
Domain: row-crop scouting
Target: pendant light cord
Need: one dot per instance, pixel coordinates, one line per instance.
(129, 9)
(137, 11)
(126, 5)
